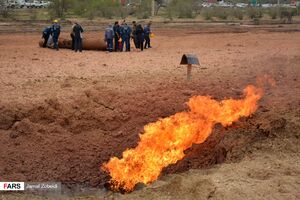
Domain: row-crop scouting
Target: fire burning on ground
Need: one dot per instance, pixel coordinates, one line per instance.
(164, 142)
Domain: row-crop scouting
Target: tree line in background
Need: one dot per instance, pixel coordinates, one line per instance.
(99, 8)
(174, 9)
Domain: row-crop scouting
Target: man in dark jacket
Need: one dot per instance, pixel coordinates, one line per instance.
(133, 35)
(73, 37)
(147, 31)
(46, 35)
(109, 37)
(140, 36)
(77, 31)
(116, 29)
(55, 32)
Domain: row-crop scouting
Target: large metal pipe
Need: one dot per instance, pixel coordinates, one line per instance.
(87, 44)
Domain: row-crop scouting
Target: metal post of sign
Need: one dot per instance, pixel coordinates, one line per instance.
(189, 72)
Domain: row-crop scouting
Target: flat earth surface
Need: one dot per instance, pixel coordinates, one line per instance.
(63, 114)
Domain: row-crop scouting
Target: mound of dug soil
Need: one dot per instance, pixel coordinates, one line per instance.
(260, 161)
(68, 141)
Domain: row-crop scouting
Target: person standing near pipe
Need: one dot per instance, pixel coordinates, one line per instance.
(77, 30)
(55, 32)
(72, 37)
(147, 31)
(116, 29)
(109, 37)
(133, 35)
(125, 31)
(140, 36)
(46, 35)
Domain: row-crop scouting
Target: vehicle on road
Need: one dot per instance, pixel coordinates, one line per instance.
(13, 4)
(35, 4)
(241, 5)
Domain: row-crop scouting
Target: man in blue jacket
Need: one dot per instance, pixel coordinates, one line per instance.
(55, 32)
(109, 37)
(46, 35)
(147, 32)
(125, 32)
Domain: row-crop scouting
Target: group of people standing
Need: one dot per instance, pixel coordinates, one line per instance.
(118, 36)
(51, 35)
(53, 32)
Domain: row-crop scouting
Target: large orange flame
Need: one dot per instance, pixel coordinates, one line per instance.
(163, 142)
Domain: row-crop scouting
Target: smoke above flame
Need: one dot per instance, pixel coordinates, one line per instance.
(164, 142)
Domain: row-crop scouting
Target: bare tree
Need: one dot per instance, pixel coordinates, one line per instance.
(59, 7)
(160, 4)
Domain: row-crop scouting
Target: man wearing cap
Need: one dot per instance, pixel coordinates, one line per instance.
(55, 32)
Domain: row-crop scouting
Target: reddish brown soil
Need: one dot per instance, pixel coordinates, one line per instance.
(62, 114)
